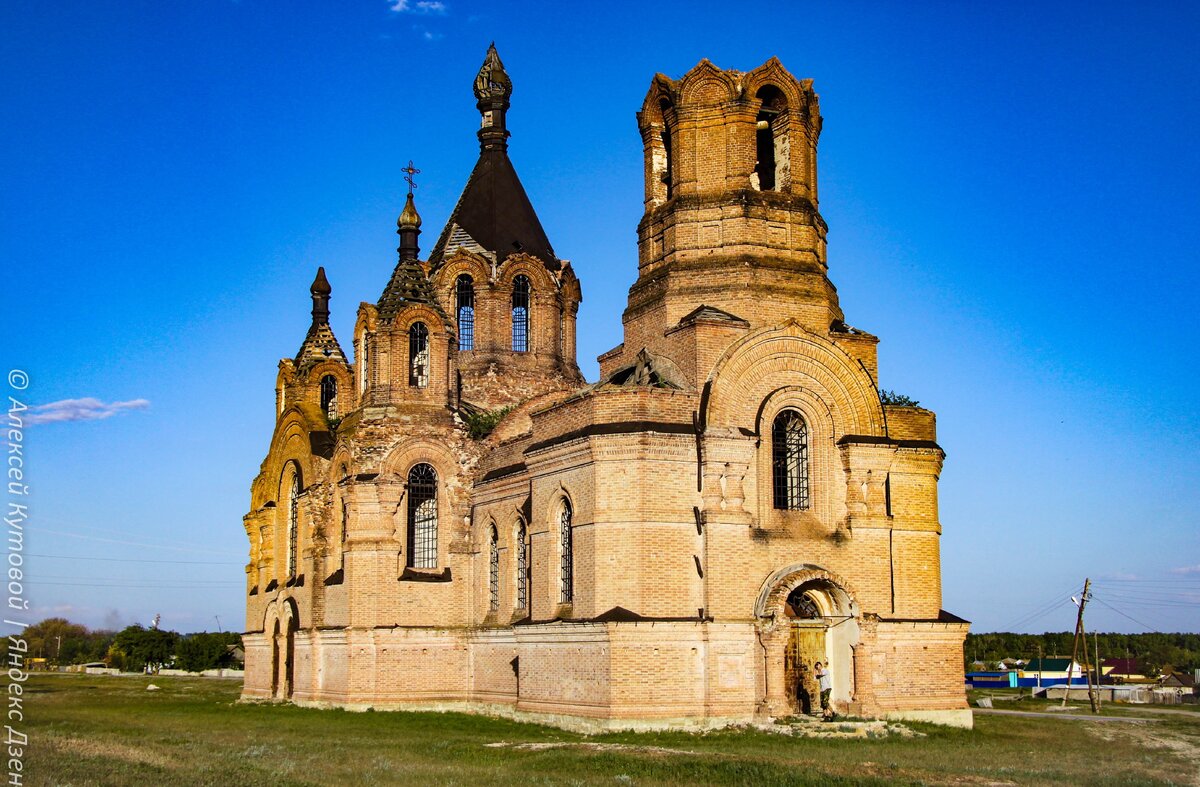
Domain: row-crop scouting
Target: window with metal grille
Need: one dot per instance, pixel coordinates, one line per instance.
(329, 398)
(464, 297)
(522, 567)
(293, 523)
(363, 364)
(520, 314)
(789, 460)
(494, 571)
(422, 517)
(567, 567)
(418, 355)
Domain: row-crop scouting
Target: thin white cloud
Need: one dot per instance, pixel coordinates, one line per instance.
(418, 7)
(1186, 570)
(87, 409)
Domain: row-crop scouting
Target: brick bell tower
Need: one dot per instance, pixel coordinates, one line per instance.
(731, 219)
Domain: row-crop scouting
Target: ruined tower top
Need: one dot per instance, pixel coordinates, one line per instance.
(493, 88)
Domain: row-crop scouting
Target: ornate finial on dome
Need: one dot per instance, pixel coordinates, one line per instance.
(492, 81)
(492, 91)
(320, 291)
(408, 226)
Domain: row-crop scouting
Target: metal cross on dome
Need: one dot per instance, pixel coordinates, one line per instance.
(410, 170)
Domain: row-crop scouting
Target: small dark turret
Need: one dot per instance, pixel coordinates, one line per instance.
(408, 227)
(320, 296)
(319, 343)
(492, 90)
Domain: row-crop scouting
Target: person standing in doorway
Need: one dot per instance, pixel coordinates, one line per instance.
(825, 684)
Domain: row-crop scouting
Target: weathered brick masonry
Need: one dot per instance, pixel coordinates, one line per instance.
(455, 520)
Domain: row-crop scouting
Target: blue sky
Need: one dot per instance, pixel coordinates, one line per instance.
(1010, 189)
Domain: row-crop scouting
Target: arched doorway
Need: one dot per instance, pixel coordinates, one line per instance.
(807, 616)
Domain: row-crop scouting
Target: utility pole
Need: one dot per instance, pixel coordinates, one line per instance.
(1087, 667)
(1087, 584)
(218, 617)
(1099, 672)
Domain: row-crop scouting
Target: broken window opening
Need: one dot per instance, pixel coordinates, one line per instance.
(293, 523)
(771, 143)
(329, 396)
(418, 355)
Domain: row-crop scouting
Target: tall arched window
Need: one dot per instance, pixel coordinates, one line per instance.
(418, 355)
(666, 176)
(520, 314)
(464, 304)
(363, 363)
(771, 140)
(293, 523)
(422, 517)
(567, 566)
(789, 460)
(329, 396)
(494, 570)
(522, 566)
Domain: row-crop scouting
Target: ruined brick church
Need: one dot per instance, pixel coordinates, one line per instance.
(450, 517)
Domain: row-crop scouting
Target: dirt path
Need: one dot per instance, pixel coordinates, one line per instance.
(1074, 716)
(1184, 746)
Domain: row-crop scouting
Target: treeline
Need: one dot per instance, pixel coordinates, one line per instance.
(62, 643)
(1156, 653)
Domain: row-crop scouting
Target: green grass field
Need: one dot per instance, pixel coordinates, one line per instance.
(86, 730)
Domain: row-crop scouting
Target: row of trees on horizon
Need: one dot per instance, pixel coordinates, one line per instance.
(63, 643)
(1156, 652)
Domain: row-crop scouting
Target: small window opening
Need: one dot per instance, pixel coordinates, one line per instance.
(464, 296)
(520, 314)
(418, 355)
(422, 517)
(789, 459)
(362, 364)
(329, 396)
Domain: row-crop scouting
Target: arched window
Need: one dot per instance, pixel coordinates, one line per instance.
(422, 517)
(362, 363)
(567, 565)
(418, 355)
(789, 460)
(522, 566)
(520, 314)
(329, 396)
(494, 570)
(667, 180)
(771, 140)
(464, 303)
(293, 523)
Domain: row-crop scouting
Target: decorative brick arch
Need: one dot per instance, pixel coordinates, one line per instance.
(775, 590)
(788, 355)
(462, 261)
(706, 84)
(774, 74)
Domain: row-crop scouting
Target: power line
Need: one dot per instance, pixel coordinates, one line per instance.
(139, 560)
(1130, 617)
(131, 543)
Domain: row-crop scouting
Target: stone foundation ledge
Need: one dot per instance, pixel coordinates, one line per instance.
(953, 717)
(868, 729)
(587, 725)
